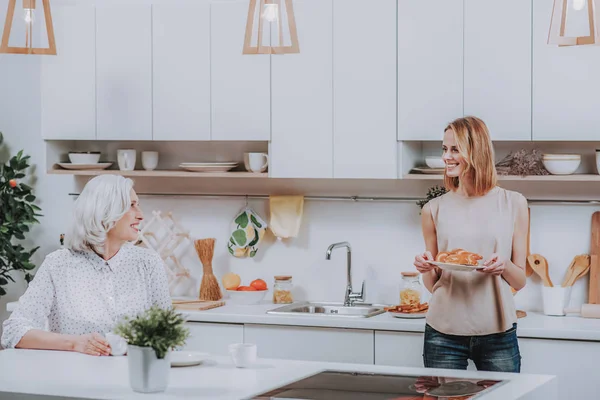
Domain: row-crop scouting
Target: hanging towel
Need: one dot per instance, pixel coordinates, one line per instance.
(286, 215)
(248, 229)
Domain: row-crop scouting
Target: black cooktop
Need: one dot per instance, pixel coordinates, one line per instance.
(334, 385)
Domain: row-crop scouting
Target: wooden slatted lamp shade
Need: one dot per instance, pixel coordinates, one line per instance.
(561, 16)
(29, 21)
(265, 15)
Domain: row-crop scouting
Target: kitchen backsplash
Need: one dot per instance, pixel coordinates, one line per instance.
(384, 237)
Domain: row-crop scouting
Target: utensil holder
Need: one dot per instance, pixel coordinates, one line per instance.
(555, 299)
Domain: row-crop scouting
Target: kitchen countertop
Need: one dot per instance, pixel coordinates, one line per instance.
(56, 373)
(535, 325)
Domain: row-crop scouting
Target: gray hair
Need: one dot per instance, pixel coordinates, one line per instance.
(103, 201)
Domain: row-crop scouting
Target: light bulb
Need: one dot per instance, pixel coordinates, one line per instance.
(578, 4)
(28, 15)
(270, 12)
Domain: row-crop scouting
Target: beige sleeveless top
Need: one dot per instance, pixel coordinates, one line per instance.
(474, 303)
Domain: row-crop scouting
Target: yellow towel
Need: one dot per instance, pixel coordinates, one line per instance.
(286, 215)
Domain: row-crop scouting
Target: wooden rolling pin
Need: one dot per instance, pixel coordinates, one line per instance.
(586, 310)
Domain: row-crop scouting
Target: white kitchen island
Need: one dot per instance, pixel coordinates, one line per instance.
(33, 374)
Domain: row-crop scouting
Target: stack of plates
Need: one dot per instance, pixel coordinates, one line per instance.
(209, 166)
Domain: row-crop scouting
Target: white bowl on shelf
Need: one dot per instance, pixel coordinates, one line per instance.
(561, 164)
(435, 162)
(84, 157)
(246, 297)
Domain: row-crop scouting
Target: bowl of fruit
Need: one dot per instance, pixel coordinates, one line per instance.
(253, 293)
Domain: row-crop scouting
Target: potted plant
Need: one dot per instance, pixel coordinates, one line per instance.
(432, 193)
(150, 336)
(17, 213)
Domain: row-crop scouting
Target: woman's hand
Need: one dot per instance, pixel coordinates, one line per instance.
(422, 264)
(93, 344)
(495, 265)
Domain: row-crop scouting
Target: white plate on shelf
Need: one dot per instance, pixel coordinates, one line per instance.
(102, 165)
(427, 170)
(457, 267)
(208, 168)
(187, 358)
(408, 315)
(207, 164)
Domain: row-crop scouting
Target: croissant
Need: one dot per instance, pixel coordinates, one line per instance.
(459, 256)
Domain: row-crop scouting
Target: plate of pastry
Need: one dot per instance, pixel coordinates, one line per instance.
(458, 260)
(410, 311)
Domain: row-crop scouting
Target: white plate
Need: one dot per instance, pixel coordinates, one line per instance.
(208, 168)
(456, 267)
(187, 358)
(102, 165)
(209, 164)
(427, 170)
(408, 315)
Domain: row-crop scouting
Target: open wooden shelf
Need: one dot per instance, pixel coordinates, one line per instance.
(534, 178)
(159, 173)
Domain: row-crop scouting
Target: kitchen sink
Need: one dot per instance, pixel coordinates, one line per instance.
(358, 310)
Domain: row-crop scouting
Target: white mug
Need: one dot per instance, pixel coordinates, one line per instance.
(243, 354)
(555, 299)
(256, 162)
(118, 345)
(598, 160)
(126, 159)
(149, 160)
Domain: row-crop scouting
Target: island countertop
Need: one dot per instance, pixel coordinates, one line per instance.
(534, 325)
(74, 375)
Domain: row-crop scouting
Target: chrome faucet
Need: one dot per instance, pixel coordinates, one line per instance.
(351, 297)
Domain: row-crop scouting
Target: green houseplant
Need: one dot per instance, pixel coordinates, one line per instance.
(17, 214)
(150, 336)
(432, 193)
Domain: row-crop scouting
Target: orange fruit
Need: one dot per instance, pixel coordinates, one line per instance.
(12, 183)
(246, 289)
(259, 284)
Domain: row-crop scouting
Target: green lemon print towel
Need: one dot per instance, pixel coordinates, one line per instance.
(248, 230)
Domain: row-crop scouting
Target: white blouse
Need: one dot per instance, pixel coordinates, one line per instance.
(78, 292)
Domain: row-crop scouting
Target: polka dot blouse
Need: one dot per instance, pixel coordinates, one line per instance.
(78, 292)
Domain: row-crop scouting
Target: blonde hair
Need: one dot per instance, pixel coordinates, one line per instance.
(102, 202)
(475, 146)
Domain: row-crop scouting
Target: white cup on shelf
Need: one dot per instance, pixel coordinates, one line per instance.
(256, 162)
(149, 160)
(243, 354)
(598, 160)
(555, 299)
(126, 159)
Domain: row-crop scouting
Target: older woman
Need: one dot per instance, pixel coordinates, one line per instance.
(83, 290)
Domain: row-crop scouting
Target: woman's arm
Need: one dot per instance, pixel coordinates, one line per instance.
(514, 270)
(430, 237)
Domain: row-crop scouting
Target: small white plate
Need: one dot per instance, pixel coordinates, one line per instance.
(207, 164)
(208, 168)
(187, 358)
(102, 165)
(427, 170)
(456, 267)
(408, 315)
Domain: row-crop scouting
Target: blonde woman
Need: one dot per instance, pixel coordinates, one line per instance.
(83, 290)
(472, 314)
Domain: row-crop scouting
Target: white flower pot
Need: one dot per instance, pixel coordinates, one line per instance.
(147, 373)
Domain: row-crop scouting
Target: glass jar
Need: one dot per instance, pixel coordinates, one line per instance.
(282, 290)
(410, 288)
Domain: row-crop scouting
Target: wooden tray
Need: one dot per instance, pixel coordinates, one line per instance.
(198, 305)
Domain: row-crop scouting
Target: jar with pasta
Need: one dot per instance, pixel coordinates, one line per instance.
(282, 290)
(410, 288)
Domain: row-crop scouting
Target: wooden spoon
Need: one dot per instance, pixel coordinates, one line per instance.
(528, 269)
(578, 268)
(540, 266)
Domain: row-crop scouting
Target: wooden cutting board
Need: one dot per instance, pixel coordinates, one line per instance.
(594, 295)
(528, 269)
(198, 305)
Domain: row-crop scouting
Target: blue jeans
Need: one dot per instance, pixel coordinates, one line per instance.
(497, 352)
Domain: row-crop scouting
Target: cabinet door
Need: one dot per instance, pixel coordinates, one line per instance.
(180, 76)
(404, 349)
(364, 89)
(430, 67)
(68, 80)
(302, 98)
(498, 66)
(124, 72)
(213, 338)
(565, 82)
(311, 344)
(240, 82)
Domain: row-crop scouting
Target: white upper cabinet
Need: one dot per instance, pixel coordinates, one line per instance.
(302, 98)
(68, 86)
(181, 71)
(430, 67)
(364, 89)
(497, 74)
(566, 99)
(240, 83)
(124, 72)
